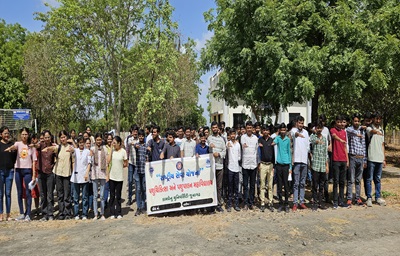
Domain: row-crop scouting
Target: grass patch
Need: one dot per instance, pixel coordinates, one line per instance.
(387, 194)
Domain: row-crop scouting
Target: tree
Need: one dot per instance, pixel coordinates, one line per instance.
(380, 44)
(12, 87)
(281, 52)
(56, 98)
(97, 35)
(125, 54)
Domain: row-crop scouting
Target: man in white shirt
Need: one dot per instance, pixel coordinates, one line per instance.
(149, 134)
(250, 161)
(188, 146)
(179, 139)
(234, 156)
(218, 149)
(301, 147)
(131, 152)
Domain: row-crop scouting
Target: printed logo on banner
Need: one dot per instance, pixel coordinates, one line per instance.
(151, 169)
(179, 166)
(208, 163)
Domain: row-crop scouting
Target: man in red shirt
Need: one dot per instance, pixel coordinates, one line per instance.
(340, 161)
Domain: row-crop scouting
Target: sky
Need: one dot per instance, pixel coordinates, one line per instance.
(188, 14)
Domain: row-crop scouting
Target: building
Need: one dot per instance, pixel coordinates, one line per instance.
(220, 111)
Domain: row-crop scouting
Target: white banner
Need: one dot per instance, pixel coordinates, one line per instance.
(180, 184)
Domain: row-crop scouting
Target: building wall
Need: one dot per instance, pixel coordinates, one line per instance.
(220, 111)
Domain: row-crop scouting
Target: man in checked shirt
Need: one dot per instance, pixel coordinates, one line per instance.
(142, 156)
(357, 158)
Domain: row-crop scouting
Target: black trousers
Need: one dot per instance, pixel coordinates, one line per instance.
(339, 179)
(233, 188)
(282, 172)
(115, 197)
(318, 187)
(46, 186)
(64, 195)
(249, 179)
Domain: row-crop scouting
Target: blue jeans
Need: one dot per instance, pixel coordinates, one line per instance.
(375, 173)
(355, 176)
(96, 183)
(90, 195)
(23, 175)
(300, 171)
(131, 173)
(76, 188)
(106, 193)
(6, 181)
(140, 189)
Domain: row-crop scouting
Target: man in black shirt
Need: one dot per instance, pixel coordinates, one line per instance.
(155, 145)
(266, 166)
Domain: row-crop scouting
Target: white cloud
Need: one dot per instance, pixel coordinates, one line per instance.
(201, 43)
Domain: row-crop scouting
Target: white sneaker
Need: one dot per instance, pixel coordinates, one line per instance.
(76, 217)
(102, 218)
(20, 217)
(84, 218)
(369, 202)
(381, 201)
(27, 218)
(119, 217)
(112, 217)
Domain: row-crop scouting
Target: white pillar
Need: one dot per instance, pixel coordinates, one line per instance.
(281, 118)
(309, 110)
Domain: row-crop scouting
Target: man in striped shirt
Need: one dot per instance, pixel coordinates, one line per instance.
(357, 158)
(142, 156)
(319, 165)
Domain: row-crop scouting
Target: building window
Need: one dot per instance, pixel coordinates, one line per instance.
(292, 116)
(238, 119)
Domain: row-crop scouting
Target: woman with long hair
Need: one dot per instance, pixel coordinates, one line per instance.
(108, 141)
(63, 171)
(7, 161)
(24, 166)
(115, 175)
(46, 176)
(99, 174)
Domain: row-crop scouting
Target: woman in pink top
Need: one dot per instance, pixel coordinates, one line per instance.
(25, 163)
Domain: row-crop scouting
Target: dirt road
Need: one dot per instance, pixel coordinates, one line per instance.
(355, 231)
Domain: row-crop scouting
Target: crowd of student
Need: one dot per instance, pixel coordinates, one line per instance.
(249, 161)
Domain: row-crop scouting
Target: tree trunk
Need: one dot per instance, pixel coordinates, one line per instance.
(118, 114)
(276, 112)
(314, 107)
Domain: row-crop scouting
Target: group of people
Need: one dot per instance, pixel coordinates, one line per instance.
(259, 156)
(254, 156)
(249, 161)
(79, 169)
